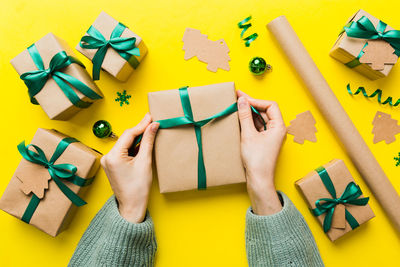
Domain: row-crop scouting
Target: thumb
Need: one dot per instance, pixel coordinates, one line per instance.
(146, 145)
(245, 116)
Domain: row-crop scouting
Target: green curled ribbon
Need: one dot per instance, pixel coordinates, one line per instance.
(377, 93)
(58, 172)
(35, 80)
(188, 119)
(365, 29)
(125, 47)
(350, 196)
(245, 26)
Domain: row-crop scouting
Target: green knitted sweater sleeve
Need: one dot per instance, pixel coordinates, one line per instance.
(110, 240)
(281, 239)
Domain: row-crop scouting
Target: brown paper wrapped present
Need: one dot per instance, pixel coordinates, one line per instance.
(375, 61)
(32, 186)
(114, 61)
(176, 148)
(315, 186)
(57, 104)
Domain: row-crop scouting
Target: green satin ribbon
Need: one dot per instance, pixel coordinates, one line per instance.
(364, 29)
(58, 172)
(124, 46)
(35, 80)
(377, 93)
(245, 26)
(188, 119)
(350, 196)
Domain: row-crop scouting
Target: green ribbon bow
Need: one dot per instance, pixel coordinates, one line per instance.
(188, 119)
(35, 80)
(364, 29)
(58, 172)
(350, 196)
(124, 46)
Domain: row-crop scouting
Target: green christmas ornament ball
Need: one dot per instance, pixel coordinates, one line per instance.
(258, 66)
(102, 129)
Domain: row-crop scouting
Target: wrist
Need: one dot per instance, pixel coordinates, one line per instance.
(263, 196)
(134, 212)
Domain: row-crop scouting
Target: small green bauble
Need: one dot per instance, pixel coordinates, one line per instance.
(258, 66)
(102, 129)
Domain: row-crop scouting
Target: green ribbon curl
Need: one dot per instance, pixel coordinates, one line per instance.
(125, 47)
(35, 80)
(377, 93)
(58, 172)
(188, 119)
(245, 26)
(365, 29)
(350, 196)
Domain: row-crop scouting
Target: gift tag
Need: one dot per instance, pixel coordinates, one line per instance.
(34, 178)
(339, 217)
(385, 128)
(303, 128)
(214, 53)
(378, 53)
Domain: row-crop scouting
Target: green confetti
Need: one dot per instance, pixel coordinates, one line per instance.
(122, 98)
(245, 26)
(377, 93)
(397, 159)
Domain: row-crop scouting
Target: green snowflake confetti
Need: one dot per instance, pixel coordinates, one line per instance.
(397, 159)
(122, 98)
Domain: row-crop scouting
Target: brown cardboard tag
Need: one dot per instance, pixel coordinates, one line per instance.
(339, 218)
(34, 178)
(378, 53)
(214, 53)
(303, 128)
(385, 128)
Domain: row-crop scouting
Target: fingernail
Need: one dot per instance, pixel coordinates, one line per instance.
(154, 126)
(242, 102)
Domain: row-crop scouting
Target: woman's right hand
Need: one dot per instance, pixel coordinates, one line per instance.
(260, 150)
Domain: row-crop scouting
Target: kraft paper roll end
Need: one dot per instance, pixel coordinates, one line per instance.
(335, 115)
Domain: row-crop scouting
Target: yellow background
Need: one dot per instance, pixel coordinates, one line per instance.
(198, 228)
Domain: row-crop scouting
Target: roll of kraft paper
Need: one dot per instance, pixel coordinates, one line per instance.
(334, 113)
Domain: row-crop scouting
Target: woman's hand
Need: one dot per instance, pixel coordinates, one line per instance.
(131, 177)
(260, 151)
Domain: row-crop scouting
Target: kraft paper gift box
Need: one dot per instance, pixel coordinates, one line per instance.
(114, 63)
(176, 148)
(32, 182)
(348, 49)
(313, 188)
(57, 104)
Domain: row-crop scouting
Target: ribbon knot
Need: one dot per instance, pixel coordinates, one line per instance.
(57, 172)
(126, 47)
(35, 80)
(350, 196)
(365, 29)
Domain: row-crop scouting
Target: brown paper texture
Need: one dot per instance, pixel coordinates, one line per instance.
(113, 63)
(51, 98)
(176, 148)
(214, 53)
(313, 189)
(330, 107)
(51, 215)
(346, 49)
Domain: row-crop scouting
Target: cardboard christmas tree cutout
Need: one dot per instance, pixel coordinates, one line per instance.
(385, 128)
(303, 128)
(214, 53)
(378, 53)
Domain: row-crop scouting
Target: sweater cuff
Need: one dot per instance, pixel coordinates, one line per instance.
(127, 233)
(277, 222)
